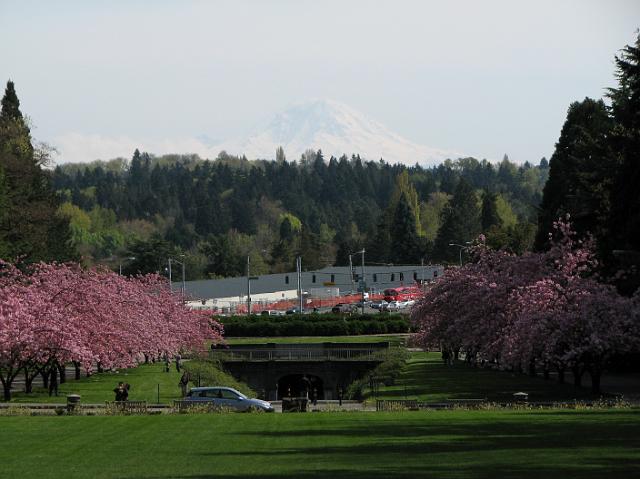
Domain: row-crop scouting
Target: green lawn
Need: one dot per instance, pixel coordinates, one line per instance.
(427, 378)
(444, 444)
(144, 381)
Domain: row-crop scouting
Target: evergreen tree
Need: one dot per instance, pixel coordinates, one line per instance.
(624, 222)
(460, 222)
(579, 172)
(489, 213)
(30, 227)
(405, 244)
(379, 247)
(10, 104)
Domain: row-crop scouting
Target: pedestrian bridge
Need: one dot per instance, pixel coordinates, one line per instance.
(302, 352)
(277, 370)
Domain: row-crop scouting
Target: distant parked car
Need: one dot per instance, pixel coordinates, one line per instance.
(391, 306)
(343, 308)
(225, 397)
(293, 311)
(378, 304)
(271, 312)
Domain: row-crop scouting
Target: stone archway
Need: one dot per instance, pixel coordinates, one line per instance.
(298, 385)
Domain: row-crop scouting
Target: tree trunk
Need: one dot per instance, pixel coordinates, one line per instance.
(532, 368)
(577, 376)
(6, 386)
(76, 365)
(100, 370)
(28, 383)
(596, 374)
(45, 378)
(561, 376)
(546, 373)
(62, 371)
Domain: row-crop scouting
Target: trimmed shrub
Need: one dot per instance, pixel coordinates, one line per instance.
(313, 325)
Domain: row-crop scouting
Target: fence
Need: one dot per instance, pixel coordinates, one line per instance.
(309, 303)
(300, 354)
(396, 405)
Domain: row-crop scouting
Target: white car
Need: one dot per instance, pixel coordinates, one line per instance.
(391, 306)
(228, 398)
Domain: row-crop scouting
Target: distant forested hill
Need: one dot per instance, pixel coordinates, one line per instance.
(217, 213)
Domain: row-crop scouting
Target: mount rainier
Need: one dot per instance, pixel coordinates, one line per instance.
(336, 129)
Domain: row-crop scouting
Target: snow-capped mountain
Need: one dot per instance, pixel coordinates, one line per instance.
(336, 129)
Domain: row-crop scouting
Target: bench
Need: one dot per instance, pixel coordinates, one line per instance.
(396, 405)
(126, 407)
(294, 404)
(184, 405)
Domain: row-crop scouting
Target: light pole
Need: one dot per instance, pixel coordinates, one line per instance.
(363, 281)
(183, 275)
(248, 285)
(130, 258)
(462, 247)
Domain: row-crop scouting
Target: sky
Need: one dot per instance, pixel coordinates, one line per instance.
(486, 78)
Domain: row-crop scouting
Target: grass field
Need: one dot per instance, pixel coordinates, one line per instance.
(428, 379)
(98, 388)
(444, 444)
(425, 377)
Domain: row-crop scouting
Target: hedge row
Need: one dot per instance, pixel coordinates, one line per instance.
(313, 325)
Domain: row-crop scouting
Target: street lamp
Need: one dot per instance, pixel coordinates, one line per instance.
(183, 275)
(462, 247)
(363, 280)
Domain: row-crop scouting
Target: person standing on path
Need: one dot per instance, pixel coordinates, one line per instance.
(184, 382)
(178, 359)
(119, 390)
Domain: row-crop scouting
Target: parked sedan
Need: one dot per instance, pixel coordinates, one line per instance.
(225, 397)
(391, 306)
(378, 304)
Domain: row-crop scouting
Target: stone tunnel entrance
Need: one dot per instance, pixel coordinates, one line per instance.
(273, 369)
(300, 385)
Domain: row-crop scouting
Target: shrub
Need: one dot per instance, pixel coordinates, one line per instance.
(314, 325)
(209, 372)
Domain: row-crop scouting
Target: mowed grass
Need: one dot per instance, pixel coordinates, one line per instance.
(144, 381)
(146, 378)
(434, 444)
(426, 378)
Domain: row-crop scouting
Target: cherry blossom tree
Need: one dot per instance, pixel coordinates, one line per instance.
(537, 309)
(58, 314)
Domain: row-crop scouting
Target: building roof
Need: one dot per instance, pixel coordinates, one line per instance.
(377, 278)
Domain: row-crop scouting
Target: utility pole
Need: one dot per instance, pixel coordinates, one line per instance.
(364, 282)
(184, 286)
(351, 273)
(248, 286)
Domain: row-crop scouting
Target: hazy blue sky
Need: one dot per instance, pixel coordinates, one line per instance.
(481, 77)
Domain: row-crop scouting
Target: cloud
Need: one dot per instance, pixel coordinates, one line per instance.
(75, 147)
